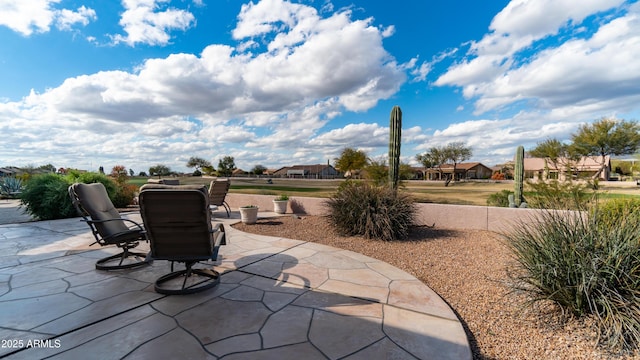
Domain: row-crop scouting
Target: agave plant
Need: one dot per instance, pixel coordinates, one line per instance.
(10, 186)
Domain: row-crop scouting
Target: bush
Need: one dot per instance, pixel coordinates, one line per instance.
(92, 177)
(46, 197)
(615, 211)
(559, 195)
(124, 195)
(499, 199)
(586, 266)
(375, 212)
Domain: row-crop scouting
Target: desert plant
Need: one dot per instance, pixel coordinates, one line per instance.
(124, 195)
(93, 177)
(45, 197)
(395, 134)
(558, 195)
(10, 186)
(375, 212)
(518, 176)
(584, 265)
(617, 211)
(500, 199)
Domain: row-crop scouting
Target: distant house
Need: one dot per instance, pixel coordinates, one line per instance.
(7, 172)
(318, 171)
(238, 172)
(585, 168)
(464, 171)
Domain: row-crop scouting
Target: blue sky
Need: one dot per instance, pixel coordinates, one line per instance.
(89, 83)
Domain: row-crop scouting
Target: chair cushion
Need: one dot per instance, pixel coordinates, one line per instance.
(178, 222)
(95, 200)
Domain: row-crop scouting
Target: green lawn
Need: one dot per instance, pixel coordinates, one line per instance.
(461, 193)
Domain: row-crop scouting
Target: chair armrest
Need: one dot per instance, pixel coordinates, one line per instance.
(135, 224)
(219, 235)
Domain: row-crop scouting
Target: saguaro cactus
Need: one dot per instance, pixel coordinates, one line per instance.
(518, 176)
(395, 133)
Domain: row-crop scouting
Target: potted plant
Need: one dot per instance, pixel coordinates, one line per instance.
(249, 214)
(280, 204)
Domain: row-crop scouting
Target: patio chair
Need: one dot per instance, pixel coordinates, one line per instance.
(178, 224)
(107, 226)
(218, 190)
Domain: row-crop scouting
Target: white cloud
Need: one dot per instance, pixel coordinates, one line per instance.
(359, 135)
(27, 17)
(216, 102)
(580, 73)
(149, 22)
(67, 18)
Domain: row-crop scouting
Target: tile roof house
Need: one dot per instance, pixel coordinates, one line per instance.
(470, 170)
(317, 171)
(586, 167)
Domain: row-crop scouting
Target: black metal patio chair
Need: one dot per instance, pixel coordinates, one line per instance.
(108, 227)
(177, 220)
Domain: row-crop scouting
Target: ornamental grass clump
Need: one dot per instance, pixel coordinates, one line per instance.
(588, 263)
(374, 212)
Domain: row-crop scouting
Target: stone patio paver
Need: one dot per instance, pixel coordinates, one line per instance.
(278, 299)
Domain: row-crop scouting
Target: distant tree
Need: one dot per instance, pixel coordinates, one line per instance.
(131, 172)
(101, 169)
(119, 173)
(456, 152)
(258, 169)
(226, 165)
(606, 137)
(351, 160)
(377, 171)
(433, 158)
(208, 170)
(142, 174)
(559, 154)
(47, 168)
(159, 170)
(426, 160)
(452, 153)
(406, 172)
(198, 163)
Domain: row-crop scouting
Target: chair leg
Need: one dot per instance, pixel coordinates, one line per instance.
(103, 264)
(227, 209)
(211, 279)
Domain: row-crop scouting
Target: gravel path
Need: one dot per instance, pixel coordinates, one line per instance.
(467, 268)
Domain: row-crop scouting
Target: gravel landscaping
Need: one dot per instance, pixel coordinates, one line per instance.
(467, 268)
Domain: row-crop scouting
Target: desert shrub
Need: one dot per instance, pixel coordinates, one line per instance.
(45, 197)
(375, 212)
(499, 199)
(586, 266)
(615, 211)
(124, 195)
(10, 186)
(558, 195)
(93, 177)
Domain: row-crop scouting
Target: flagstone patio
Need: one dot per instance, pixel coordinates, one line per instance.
(278, 299)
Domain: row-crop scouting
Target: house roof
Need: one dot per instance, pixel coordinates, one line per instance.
(586, 163)
(463, 166)
(312, 169)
